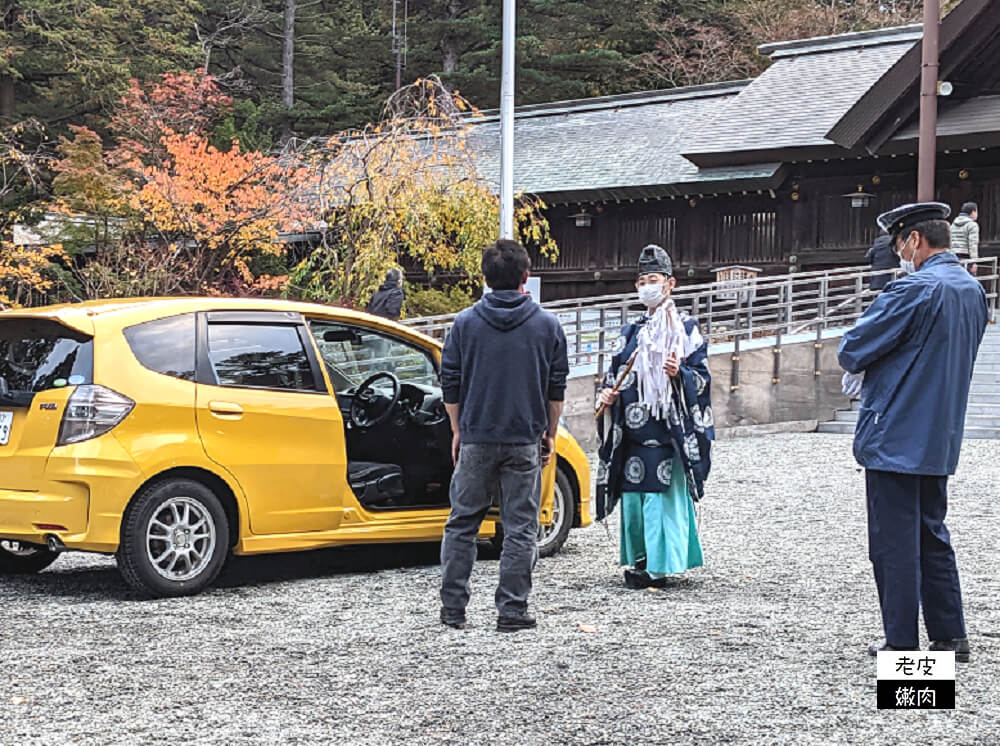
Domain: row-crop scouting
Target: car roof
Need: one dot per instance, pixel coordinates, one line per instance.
(122, 312)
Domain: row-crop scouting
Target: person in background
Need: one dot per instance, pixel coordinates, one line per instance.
(656, 432)
(503, 376)
(387, 301)
(913, 352)
(882, 256)
(965, 234)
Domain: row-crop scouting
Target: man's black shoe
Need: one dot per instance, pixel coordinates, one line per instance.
(453, 618)
(515, 622)
(875, 647)
(959, 645)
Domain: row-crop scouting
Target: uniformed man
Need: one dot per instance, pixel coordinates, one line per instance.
(913, 352)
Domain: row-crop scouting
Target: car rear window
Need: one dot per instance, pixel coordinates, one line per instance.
(165, 345)
(38, 354)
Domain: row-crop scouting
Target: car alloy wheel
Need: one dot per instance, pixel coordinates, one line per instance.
(552, 537)
(180, 539)
(175, 539)
(546, 533)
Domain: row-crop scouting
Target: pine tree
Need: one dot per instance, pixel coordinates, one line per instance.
(66, 59)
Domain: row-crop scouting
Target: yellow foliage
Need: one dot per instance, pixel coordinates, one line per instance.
(406, 192)
(24, 273)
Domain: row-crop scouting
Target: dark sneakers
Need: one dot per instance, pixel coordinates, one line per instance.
(960, 646)
(875, 647)
(515, 622)
(453, 618)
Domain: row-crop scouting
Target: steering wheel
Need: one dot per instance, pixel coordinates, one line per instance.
(365, 396)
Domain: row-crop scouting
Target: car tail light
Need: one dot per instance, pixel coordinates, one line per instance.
(91, 411)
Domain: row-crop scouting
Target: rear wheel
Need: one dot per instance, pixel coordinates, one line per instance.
(18, 558)
(175, 539)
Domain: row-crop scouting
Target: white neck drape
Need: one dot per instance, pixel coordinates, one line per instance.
(659, 338)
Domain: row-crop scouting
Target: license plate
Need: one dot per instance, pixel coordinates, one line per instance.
(6, 419)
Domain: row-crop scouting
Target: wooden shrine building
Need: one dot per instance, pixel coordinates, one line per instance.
(785, 172)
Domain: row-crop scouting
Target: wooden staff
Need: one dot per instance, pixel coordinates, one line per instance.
(619, 382)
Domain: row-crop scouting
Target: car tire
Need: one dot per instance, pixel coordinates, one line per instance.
(551, 538)
(18, 558)
(174, 540)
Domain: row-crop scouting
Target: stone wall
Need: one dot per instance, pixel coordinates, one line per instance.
(800, 396)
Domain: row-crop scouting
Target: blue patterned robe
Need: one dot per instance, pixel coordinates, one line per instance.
(637, 451)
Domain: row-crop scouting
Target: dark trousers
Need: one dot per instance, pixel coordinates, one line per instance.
(911, 553)
(516, 468)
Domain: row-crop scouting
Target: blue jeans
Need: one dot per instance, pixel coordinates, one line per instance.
(517, 469)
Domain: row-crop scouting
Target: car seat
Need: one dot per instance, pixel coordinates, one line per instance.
(376, 485)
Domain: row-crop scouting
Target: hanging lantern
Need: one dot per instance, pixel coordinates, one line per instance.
(859, 198)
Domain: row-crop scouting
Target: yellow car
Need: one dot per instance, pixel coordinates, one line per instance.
(173, 431)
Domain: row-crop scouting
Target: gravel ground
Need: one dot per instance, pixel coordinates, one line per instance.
(766, 644)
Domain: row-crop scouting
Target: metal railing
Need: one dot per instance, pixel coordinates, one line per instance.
(733, 311)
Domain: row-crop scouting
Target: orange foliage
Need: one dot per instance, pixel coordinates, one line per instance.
(188, 216)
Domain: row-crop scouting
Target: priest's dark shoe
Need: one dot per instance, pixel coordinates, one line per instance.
(515, 622)
(875, 647)
(959, 645)
(453, 618)
(637, 579)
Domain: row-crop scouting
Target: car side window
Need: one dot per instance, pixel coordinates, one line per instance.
(165, 346)
(260, 356)
(353, 353)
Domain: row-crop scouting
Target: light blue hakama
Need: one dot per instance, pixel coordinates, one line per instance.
(661, 528)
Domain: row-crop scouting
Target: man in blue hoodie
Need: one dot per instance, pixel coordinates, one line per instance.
(503, 373)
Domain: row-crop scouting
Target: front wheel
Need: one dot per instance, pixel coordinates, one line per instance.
(175, 539)
(18, 558)
(552, 537)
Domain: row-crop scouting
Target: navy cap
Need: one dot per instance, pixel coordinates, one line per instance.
(655, 259)
(906, 216)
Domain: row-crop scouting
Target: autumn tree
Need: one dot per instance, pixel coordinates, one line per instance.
(26, 275)
(405, 193)
(171, 212)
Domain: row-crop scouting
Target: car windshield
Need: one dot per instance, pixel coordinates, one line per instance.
(354, 353)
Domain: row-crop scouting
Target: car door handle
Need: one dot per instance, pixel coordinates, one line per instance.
(225, 410)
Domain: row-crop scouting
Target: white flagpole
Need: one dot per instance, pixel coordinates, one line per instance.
(507, 122)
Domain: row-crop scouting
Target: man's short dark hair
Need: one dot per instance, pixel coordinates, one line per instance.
(393, 275)
(937, 233)
(504, 264)
(970, 207)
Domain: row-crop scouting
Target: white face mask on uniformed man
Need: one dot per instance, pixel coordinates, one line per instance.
(908, 266)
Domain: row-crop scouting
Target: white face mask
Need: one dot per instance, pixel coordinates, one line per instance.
(907, 265)
(652, 295)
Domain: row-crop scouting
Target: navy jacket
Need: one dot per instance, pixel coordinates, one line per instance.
(387, 301)
(503, 362)
(917, 345)
(881, 256)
